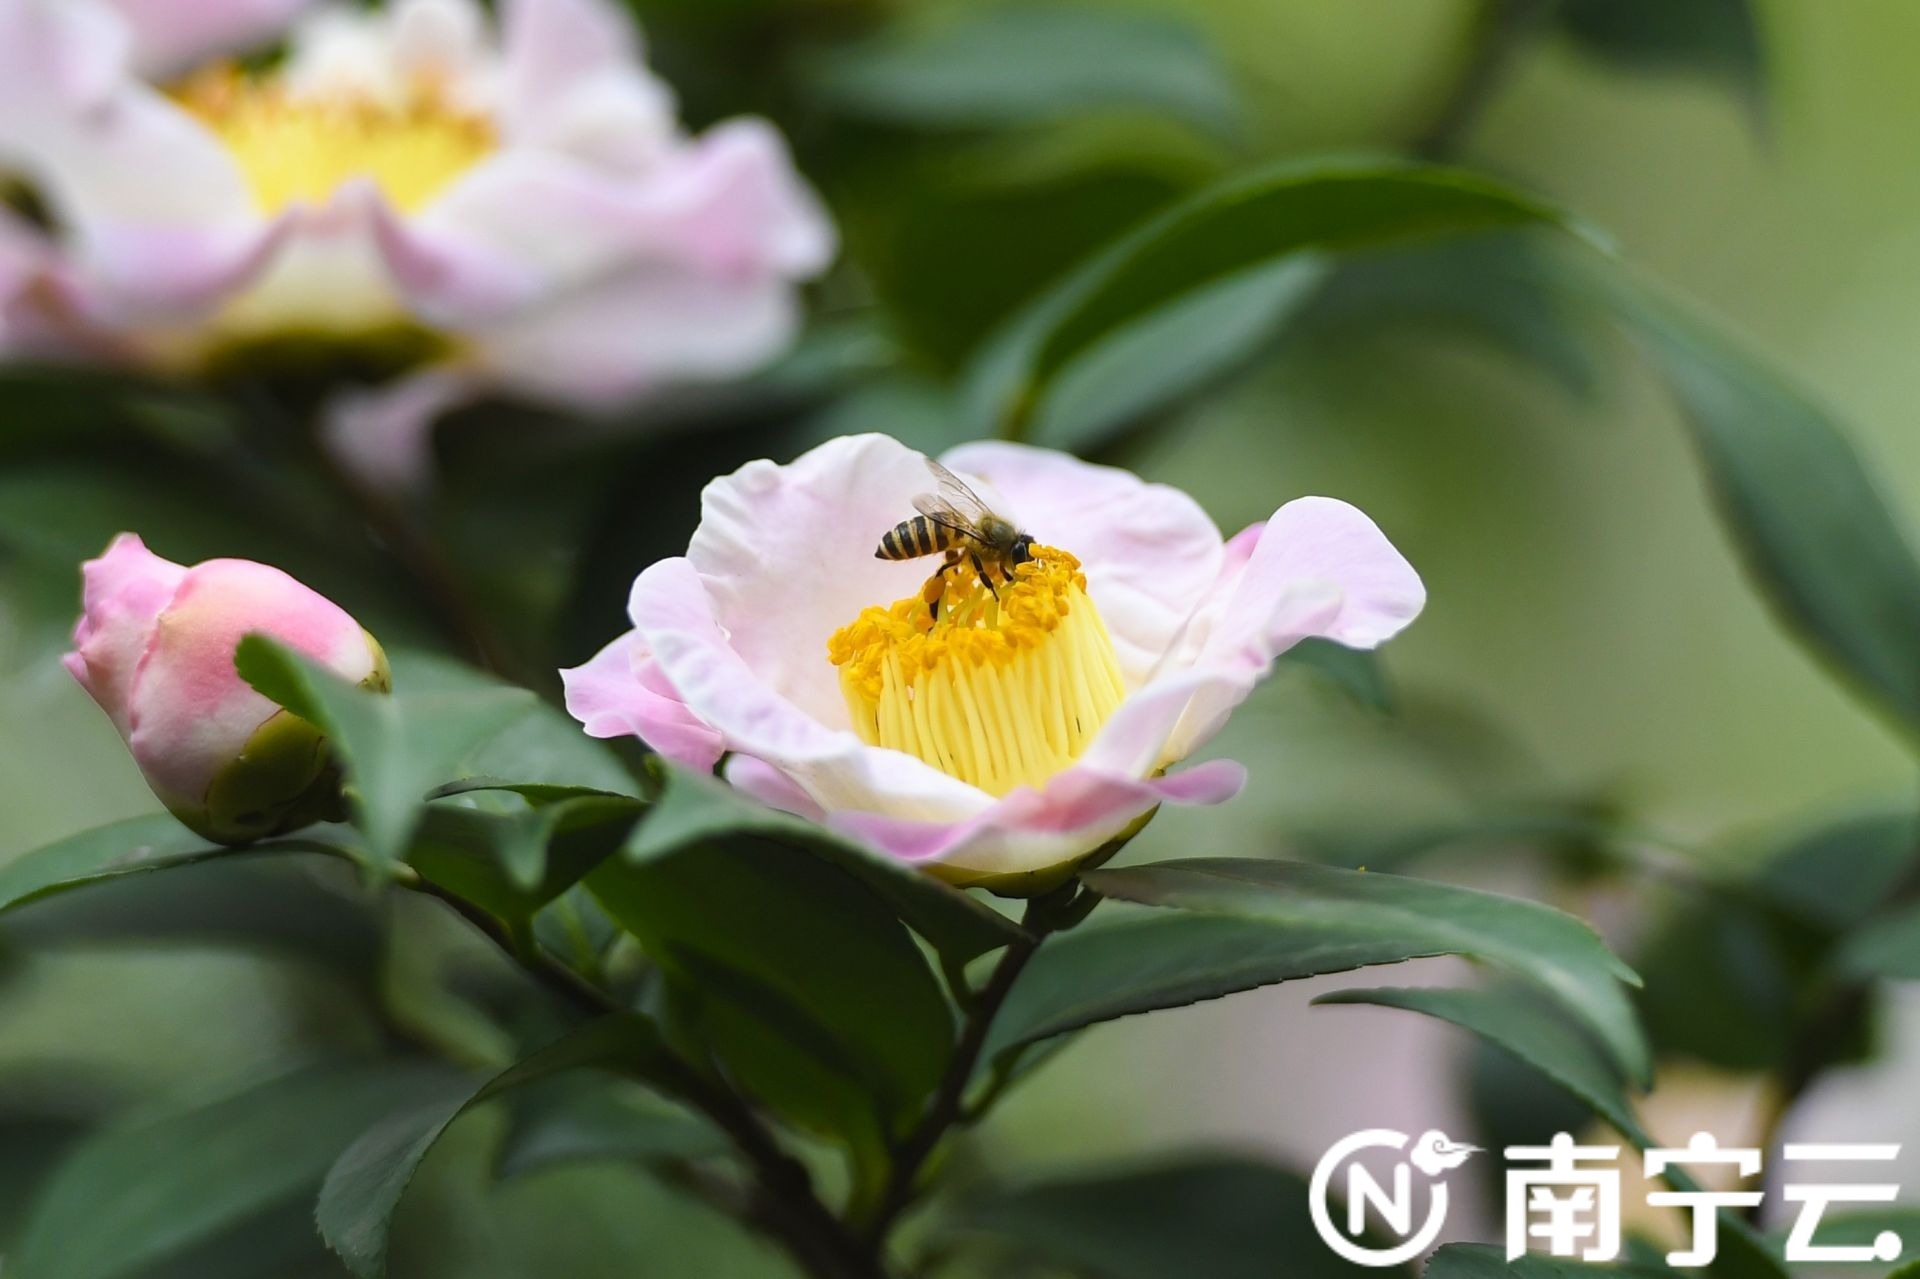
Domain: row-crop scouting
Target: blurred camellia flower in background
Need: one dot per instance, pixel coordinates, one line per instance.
(154, 647)
(516, 210)
(1007, 734)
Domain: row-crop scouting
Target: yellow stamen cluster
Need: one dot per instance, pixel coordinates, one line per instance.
(1000, 686)
(303, 148)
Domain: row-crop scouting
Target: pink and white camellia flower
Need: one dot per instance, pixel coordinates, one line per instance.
(997, 735)
(154, 647)
(513, 209)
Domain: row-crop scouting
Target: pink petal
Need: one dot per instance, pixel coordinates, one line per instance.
(621, 692)
(384, 435)
(122, 595)
(173, 36)
(1034, 830)
(734, 205)
(550, 45)
(189, 710)
(678, 622)
(1149, 551)
(638, 329)
(771, 787)
(74, 53)
(787, 557)
(145, 272)
(574, 82)
(1319, 567)
(448, 275)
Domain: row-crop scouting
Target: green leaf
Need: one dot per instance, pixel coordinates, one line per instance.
(565, 1121)
(1292, 212)
(1225, 1217)
(395, 747)
(364, 1187)
(1102, 971)
(1486, 287)
(694, 810)
(280, 906)
(1012, 65)
(136, 846)
(1356, 672)
(1742, 975)
(1483, 1261)
(1554, 950)
(1712, 37)
(1537, 1033)
(131, 1197)
(513, 863)
(1562, 1053)
(1888, 947)
(1835, 873)
(1811, 523)
(795, 971)
(1175, 352)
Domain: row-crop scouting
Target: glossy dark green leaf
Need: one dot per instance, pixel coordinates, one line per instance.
(1557, 952)
(1887, 947)
(303, 908)
(1355, 672)
(1712, 37)
(1174, 352)
(1810, 521)
(1538, 1033)
(693, 810)
(1250, 223)
(1560, 1051)
(365, 1184)
(394, 748)
(582, 1119)
(1102, 971)
(795, 971)
(1221, 1216)
(513, 863)
(1835, 873)
(1484, 287)
(136, 846)
(131, 1197)
(1010, 65)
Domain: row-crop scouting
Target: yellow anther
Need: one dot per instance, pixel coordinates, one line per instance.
(303, 148)
(1001, 686)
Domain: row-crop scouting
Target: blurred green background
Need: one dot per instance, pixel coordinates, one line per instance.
(1589, 640)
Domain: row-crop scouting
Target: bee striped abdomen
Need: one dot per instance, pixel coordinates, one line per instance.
(910, 539)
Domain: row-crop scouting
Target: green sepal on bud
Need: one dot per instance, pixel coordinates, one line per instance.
(284, 778)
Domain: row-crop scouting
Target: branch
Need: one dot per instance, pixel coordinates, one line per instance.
(782, 1204)
(1058, 910)
(1501, 29)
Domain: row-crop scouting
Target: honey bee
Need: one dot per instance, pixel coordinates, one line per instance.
(956, 521)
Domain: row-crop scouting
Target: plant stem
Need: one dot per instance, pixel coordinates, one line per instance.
(420, 558)
(1501, 29)
(1044, 916)
(782, 1203)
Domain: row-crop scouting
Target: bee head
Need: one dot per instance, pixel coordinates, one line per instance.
(1021, 551)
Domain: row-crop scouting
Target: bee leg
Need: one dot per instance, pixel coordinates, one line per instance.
(981, 569)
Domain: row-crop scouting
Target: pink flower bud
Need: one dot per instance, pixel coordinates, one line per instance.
(154, 647)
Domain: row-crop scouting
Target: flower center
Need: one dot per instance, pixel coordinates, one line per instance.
(300, 148)
(1000, 687)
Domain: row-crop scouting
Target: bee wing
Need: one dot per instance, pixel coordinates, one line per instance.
(941, 511)
(955, 495)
